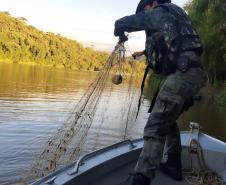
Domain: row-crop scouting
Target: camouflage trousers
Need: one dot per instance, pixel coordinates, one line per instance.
(161, 127)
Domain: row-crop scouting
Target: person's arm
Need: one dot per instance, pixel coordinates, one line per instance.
(149, 20)
(137, 22)
(137, 54)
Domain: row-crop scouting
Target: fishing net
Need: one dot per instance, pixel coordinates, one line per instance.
(65, 145)
(202, 175)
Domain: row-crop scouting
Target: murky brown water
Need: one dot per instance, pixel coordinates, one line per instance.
(35, 101)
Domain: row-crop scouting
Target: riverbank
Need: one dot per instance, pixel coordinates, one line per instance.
(33, 63)
(127, 69)
(214, 95)
(221, 100)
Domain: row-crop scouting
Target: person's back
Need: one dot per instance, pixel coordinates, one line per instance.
(185, 33)
(169, 27)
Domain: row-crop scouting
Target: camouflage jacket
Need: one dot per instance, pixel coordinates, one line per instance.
(168, 22)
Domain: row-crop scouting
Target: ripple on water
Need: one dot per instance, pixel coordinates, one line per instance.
(32, 109)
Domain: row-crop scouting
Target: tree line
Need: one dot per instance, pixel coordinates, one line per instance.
(22, 43)
(209, 17)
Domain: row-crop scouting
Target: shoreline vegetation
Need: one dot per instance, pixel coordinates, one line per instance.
(208, 17)
(24, 44)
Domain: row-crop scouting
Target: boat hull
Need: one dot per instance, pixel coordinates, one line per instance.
(111, 165)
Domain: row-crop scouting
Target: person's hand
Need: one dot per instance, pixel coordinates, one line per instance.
(137, 54)
(123, 38)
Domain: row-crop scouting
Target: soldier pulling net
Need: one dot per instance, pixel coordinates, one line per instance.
(65, 145)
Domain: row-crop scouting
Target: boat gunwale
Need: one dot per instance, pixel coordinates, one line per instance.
(133, 145)
(96, 153)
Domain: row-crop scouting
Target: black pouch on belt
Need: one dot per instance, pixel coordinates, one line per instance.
(183, 63)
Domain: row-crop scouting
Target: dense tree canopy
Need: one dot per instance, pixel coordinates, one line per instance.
(209, 17)
(22, 43)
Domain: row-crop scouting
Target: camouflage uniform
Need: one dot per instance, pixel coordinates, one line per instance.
(179, 86)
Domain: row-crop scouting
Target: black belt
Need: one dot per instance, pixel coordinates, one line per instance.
(184, 63)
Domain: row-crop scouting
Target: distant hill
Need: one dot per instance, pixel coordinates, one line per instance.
(20, 42)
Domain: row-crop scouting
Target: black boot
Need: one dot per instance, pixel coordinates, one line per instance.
(172, 167)
(136, 179)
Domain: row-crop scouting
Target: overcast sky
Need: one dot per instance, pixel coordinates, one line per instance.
(89, 22)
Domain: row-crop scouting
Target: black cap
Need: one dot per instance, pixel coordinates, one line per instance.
(143, 3)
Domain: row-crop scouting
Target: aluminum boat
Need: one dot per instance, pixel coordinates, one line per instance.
(111, 165)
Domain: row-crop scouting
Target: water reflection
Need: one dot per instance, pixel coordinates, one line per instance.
(35, 101)
(27, 80)
(211, 118)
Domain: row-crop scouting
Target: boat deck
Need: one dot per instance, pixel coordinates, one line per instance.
(165, 180)
(118, 176)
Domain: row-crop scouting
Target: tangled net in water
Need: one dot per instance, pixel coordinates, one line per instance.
(65, 145)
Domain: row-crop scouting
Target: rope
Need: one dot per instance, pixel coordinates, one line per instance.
(202, 176)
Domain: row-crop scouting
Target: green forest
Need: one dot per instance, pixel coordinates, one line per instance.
(209, 18)
(22, 43)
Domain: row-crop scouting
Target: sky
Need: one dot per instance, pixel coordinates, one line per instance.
(89, 22)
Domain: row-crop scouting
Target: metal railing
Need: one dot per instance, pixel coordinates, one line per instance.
(81, 160)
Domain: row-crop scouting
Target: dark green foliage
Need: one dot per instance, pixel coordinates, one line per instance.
(20, 42)
(209, 17)
(222, 98)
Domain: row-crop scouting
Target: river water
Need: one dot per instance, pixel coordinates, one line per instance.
(35, 101)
